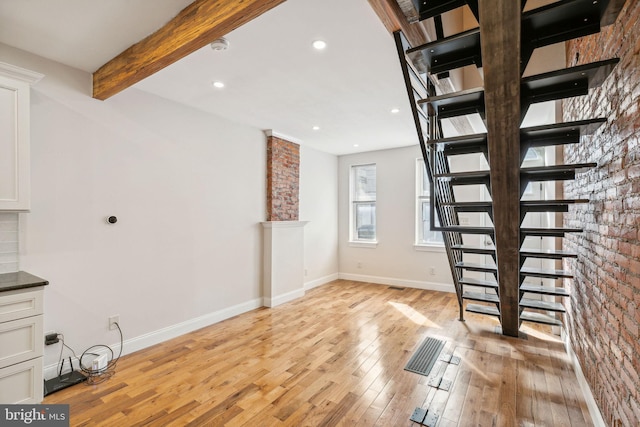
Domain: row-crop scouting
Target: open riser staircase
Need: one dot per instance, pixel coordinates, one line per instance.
(423, 66)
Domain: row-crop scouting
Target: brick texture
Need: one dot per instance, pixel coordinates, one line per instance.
(603, 313)
(283, 180)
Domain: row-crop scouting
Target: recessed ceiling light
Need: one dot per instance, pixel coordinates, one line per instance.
(316, 128)
(356, 145)
(218, 85)
(395, 110)
(319, 44)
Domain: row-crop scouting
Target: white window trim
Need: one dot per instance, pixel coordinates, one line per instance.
(371, 244)
(417, 245)
(425, 247)
(353, 242)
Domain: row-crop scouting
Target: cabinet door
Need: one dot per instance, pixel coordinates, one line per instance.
(20, 340)
(14, 145)
(22, 383)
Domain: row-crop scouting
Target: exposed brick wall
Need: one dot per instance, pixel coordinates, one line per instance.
(604, 310)
(283, 180)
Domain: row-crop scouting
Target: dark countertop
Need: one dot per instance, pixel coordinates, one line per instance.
(20, 280)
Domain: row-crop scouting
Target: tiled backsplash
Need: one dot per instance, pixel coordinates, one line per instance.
(8, 242)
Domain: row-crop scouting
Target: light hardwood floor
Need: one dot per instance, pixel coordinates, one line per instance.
(336, 357)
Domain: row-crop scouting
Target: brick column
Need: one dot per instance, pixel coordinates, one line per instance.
(283, 254)
(283, 179)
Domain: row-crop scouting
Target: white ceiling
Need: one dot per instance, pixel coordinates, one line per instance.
(274, 78)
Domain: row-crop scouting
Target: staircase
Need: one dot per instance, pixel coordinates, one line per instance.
(504, 291)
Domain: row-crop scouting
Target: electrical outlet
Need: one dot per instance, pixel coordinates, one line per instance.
(113, 320)
(359, 264)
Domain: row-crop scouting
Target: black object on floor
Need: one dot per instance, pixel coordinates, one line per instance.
(63, 381)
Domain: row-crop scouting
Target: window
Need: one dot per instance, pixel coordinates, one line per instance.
(363, 203)
(424, 235)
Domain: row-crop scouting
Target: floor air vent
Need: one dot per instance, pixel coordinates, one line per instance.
(425, 357)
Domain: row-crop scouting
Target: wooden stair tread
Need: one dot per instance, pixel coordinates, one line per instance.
(545, 290)
(479, 296)
(542, 305)
(484, 250)
(547, 254)
(550, 274)
(529, 316)
(489, 310)
(470, 281)
(449, 53)
(476, 267)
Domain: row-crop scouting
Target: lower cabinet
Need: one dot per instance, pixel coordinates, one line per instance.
(21, 346)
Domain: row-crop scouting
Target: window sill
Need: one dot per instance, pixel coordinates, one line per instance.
(428, 248)
(362, 244)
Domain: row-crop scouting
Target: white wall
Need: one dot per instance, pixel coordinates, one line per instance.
(394, 260)
(8, 242)
(188, 189)
(319, 206)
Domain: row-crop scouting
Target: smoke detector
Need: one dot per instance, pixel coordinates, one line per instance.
(220, 44)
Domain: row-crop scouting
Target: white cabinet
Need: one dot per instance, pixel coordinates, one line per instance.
(14, 136)
(21, 346)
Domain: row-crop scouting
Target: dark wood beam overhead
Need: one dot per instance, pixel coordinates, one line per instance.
(394, 19)
(194, 27)
(500, 41)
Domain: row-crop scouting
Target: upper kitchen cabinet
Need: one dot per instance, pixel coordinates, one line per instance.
(15, 84)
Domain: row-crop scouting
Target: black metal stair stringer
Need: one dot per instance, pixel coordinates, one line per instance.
(434, 162)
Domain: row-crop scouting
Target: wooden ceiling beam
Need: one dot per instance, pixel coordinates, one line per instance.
(194, 27)
(394, 19)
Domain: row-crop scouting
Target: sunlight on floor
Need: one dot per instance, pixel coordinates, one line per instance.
(413, 315)
(541, 335)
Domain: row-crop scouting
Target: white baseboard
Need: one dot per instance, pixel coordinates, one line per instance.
(132, 345)
(594, 411)
(281, 299)
(429, 286)
(290, 296)
(321, 281)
